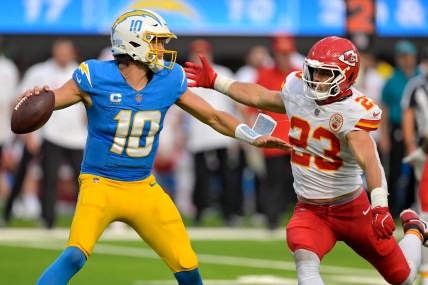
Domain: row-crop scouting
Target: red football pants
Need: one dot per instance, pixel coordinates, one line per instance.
(318, 228)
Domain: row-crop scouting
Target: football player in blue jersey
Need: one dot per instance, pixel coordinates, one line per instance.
(126, 101)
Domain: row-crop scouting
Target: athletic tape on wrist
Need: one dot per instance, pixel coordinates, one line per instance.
(222, 84)
(379, 197)
(245, 134)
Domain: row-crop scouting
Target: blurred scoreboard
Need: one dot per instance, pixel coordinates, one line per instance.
(219, 17)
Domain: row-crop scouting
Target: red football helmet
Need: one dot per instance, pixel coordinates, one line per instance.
(337, 56)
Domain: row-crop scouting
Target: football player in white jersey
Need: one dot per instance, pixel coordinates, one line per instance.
(330, 133)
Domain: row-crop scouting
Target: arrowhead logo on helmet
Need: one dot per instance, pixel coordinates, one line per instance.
(349, 57)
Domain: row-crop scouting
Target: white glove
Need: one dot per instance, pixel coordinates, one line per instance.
(417, 159)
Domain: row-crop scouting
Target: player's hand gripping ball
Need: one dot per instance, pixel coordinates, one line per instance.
(32, 112)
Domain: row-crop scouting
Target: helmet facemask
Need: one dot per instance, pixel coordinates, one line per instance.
(156, 58)
(322, 90)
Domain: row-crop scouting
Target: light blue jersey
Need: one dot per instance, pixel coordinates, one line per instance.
(123, 123)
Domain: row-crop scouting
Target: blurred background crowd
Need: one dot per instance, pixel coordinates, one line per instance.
(209, 176)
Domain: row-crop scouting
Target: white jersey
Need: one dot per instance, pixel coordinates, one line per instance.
(323, 164)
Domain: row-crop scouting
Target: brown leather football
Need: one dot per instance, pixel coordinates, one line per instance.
(31, 113)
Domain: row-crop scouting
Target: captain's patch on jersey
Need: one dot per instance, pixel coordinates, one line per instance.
(336, 122)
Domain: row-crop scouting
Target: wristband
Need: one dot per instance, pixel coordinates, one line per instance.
(245, 134)
(379, 197)
(222, 84)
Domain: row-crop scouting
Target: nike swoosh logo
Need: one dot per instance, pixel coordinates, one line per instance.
(79, 80)
(152, 184)
(366, 211)
(376, 114)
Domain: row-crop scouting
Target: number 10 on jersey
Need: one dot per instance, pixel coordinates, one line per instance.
(131, 140)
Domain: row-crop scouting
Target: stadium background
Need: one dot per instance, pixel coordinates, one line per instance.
(233, 26)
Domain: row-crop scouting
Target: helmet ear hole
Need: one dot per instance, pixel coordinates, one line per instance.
(134, 44)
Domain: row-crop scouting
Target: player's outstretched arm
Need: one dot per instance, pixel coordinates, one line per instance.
(65, 96)
(249, 94)
(225, 123)
(364, 150)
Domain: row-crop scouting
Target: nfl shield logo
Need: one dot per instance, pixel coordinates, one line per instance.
(317, 112)
(138, 98)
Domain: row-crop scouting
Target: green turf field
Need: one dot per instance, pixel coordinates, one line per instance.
(226, 256)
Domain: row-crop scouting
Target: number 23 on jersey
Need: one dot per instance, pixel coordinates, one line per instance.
(333, 161)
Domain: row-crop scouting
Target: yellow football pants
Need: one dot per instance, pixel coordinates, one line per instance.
(144, 206)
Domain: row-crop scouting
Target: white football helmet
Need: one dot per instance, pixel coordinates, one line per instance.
(138, 33)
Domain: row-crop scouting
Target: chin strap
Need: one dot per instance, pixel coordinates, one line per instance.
(337, 98)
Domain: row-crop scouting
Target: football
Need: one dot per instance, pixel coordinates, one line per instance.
(31, 113)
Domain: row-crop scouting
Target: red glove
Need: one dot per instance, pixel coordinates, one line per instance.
(202, 75)
(382, 223)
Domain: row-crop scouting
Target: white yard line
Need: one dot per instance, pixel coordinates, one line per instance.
(55, 240)
(24, 234)
(333, 274)
(129, 234)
